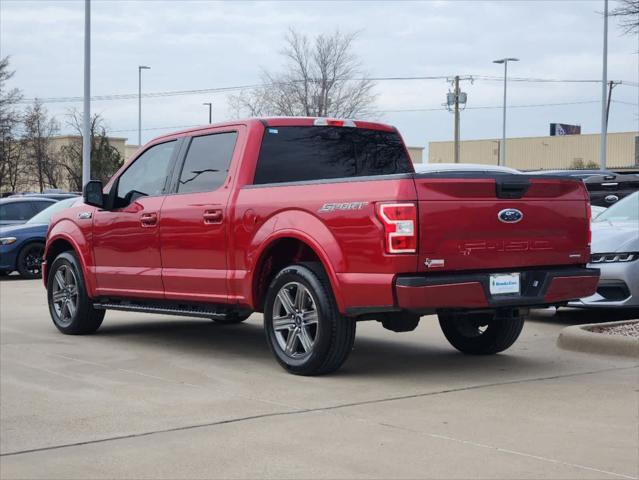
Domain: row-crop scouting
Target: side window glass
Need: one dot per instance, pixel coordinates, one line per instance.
(207, 162)
(147, 174)
(16, 211)
(39, 206)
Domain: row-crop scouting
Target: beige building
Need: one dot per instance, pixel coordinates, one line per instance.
(547, 153)
(130, 150)
(118, 142)
(416, 154)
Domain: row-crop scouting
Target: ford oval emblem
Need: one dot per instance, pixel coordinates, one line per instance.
(510, 215)
(611, 198)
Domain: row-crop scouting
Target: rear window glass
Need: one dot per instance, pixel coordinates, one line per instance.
(296, 154)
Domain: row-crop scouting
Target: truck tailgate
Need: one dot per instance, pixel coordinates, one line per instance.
(500, 221)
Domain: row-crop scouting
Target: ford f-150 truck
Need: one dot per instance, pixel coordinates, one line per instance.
(317, 223)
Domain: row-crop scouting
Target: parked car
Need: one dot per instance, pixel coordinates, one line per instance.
(22, 246)
(577, 173)
(318, 224)
(615, 251)
(605, 188)
(51, 195)
(596, 211)
(17, 210)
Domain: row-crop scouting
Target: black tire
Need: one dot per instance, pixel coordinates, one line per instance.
(232, 318)
(30, 260)
(332, 334)
(84, 319)
(481, 333)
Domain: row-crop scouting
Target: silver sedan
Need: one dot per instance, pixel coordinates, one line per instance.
(615, 251)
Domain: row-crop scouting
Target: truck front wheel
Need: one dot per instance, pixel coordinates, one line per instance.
(70, 307)
(304, 328)
(481, 333)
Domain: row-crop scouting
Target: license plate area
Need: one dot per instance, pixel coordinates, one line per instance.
(505, 284)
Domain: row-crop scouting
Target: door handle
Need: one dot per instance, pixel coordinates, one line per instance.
(148, 220)
(213, 216)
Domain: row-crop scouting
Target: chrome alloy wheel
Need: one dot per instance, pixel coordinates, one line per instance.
(295, 320)
(65, 294)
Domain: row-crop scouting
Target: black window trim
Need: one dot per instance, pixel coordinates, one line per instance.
(172, 161)
(323, 181)
(181, 159)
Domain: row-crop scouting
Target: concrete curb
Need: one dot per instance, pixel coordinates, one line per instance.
(580, 339)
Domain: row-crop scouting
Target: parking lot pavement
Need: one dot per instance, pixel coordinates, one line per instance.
(166, 397)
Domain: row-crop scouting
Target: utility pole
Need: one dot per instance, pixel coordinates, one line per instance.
(457, 119)
(210, 104)
(140, 68)
(603, 142)
(611, 84)
(86, 116)
(455, 100)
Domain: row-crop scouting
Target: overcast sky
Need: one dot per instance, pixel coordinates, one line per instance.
(206, 44)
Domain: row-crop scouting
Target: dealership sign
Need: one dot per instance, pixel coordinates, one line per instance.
(557, 129)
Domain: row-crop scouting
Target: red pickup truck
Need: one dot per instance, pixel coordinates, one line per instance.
(317, 223)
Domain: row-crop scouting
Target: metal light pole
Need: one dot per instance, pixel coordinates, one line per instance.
(86, 118)
(603, 143)
(502, 150)
(140, 68)
(210, 104)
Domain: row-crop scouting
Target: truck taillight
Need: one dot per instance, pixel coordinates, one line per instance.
(400, 226)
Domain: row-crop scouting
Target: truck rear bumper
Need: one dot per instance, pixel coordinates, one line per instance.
(538, 287)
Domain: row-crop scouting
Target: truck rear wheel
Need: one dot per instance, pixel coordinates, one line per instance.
(303, 326)
(481, 333)
(70, 307)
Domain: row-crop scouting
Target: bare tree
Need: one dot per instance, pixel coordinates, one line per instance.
(105, 158)
(39, 129)
(10, 164)
(322, 78)
(628, 13)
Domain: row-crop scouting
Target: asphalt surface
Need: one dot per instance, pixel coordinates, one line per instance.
(167, 397)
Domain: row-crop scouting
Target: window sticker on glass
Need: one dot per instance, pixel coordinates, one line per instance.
(272, 130)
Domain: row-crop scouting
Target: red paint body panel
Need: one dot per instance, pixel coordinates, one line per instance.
(126, 252)
(67, 227)
(456, 295)
(183, 258)
(459, 223)
(562, 287)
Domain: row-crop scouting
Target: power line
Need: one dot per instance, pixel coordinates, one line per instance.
(171, 93)
(488, 107)
(427, 109)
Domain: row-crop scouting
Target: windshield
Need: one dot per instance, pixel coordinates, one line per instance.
(626, 210)
(45, 215)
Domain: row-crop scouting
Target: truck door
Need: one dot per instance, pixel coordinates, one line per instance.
(126, 241)
(194, 223)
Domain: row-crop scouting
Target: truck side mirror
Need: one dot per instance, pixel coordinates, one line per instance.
(93, 195)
